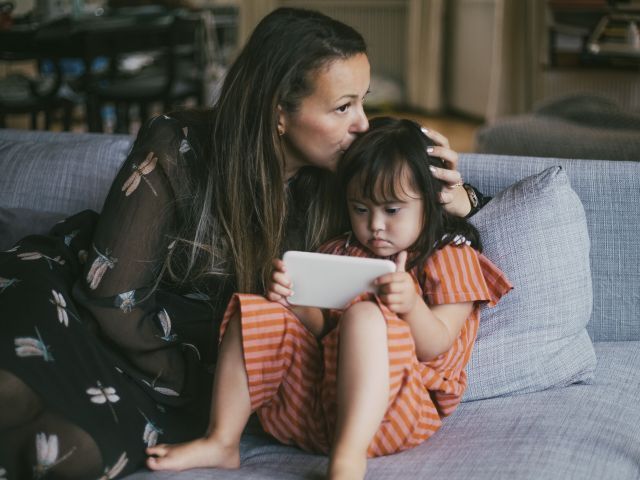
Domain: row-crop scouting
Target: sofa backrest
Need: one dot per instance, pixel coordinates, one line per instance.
(609, 193)
(64, 173)
(58, 172)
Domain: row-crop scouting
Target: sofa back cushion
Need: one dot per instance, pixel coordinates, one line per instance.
(608, 191)
(49, 175)
(536, 337)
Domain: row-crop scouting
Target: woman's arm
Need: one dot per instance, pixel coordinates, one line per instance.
(129, 247)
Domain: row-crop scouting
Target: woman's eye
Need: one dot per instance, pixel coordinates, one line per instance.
(343, 108)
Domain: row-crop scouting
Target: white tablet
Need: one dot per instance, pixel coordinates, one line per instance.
(331, 281)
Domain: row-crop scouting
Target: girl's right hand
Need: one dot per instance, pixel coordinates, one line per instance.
(280, 287)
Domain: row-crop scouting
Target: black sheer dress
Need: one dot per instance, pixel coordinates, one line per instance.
(99, 360)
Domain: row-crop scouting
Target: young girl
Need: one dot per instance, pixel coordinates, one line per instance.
(377, 377)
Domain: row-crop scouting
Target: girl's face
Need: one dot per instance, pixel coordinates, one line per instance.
(328, 120)
(389, 227)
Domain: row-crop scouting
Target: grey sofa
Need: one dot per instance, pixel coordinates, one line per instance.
(546, 426)
(580, 125)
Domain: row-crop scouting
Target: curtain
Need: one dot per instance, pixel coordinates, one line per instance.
(518, 50)
(425, 54)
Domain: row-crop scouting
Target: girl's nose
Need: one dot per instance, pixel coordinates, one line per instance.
(376, 223)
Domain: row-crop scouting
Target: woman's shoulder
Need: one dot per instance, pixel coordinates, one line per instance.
(183, 130)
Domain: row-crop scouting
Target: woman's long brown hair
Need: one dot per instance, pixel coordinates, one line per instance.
(239, 195)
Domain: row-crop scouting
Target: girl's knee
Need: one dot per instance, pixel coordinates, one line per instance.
(365, 313)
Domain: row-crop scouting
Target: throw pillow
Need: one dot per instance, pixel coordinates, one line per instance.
(535, 338)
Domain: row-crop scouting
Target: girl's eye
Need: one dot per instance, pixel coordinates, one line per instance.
(343, 108)
(392, 210)
(359, 209)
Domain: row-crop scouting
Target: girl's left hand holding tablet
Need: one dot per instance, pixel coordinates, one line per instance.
(280, 287)
(397, 290)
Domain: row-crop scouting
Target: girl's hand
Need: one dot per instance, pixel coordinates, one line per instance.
(453, 197)
(397, 289)
(280, 287)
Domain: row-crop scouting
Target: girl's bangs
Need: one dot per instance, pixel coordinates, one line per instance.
(384, 180)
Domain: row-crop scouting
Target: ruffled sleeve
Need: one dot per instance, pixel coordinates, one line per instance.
(457, 274)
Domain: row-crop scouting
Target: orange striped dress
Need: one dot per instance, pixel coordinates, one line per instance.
(292, 374)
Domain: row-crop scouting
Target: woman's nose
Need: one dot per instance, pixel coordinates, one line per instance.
(361, 122)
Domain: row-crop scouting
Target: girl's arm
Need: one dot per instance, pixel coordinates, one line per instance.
(313, 318)
(434, 329)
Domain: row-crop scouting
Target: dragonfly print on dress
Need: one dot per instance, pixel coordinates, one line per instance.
(61, 307)
(33, 347)
(47, 454)
(99, 267)
(38, 255)
(139, 173)
(151, 432)
(104, 395)
(126, 301)
(163, 390)
(113, 472)
(165, 323)
(6, 283)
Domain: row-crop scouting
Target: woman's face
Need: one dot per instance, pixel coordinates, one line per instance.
(327, 121)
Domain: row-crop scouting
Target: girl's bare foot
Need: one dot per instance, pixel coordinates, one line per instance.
(200, 453)
(347, 468)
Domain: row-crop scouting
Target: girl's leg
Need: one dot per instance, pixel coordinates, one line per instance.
(362, 388)
(230, 411)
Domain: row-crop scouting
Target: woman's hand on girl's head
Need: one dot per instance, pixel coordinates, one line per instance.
(397, 290)
(453, 197)
(280, 287)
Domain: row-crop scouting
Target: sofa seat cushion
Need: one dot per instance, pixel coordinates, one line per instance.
(584, 431)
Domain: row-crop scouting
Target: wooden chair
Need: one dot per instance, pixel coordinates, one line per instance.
(173, 76)
(31, 92)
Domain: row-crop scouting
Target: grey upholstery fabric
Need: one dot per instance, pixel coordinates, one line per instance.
(47, 176)
(72, 173)
(16, 223)
(535, 338)
(608, 191)
(575, 432)
(576, 126)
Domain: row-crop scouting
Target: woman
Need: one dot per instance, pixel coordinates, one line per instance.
(108, 333)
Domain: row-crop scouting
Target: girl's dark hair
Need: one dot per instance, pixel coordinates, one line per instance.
(241, 202)
(379, 158)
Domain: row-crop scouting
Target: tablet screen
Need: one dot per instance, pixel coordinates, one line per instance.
(331, 281)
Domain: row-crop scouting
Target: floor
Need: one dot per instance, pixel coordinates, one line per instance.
(459, 130)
